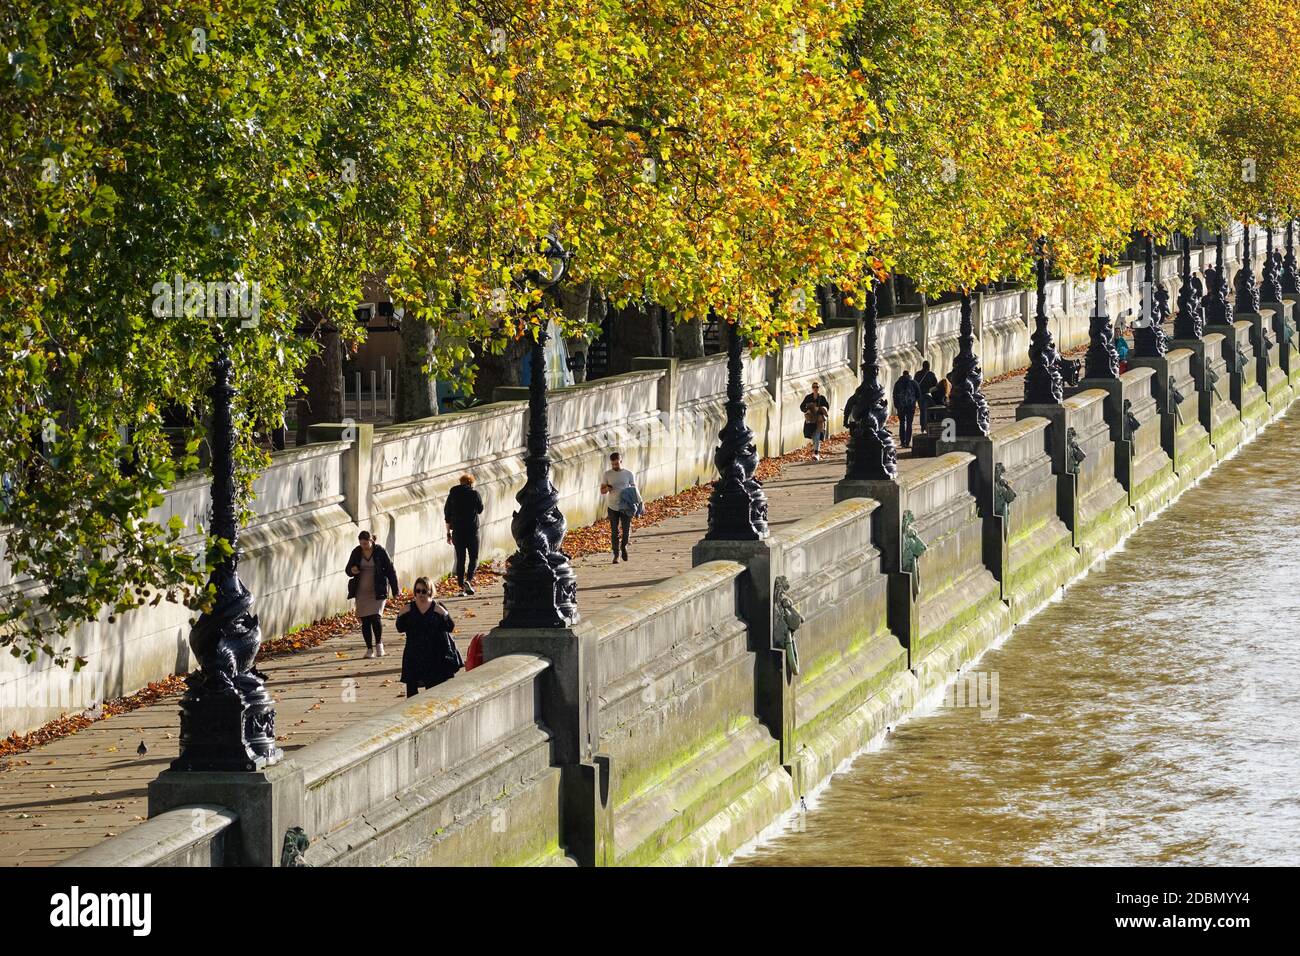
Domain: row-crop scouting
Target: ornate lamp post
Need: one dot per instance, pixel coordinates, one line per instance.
(871, 452)
(970, 409)
(1271, 290)
(227, 716)
(1149, 339)
(1247, 293)
(737, 506)
(1043, 380)
(1290, 278)
(541, 589)
(1218, 304)
(1101, 360)
(1189, 323)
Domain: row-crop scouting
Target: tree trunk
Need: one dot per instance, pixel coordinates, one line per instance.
(889, 296)
(417, 392)
(498, 370)
(577, 301)
(323, 382)
(634, 332)
(688, 339)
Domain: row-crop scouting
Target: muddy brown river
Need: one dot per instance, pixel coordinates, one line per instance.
(1149, 716)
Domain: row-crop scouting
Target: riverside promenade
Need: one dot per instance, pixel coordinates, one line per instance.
(73, 792)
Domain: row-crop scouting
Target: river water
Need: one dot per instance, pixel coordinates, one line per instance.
(1151, 716)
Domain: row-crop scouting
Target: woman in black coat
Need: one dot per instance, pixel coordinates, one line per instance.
(430, 656)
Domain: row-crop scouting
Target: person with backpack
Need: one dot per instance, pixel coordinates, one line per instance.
(371, 577)
(461, 514)
(905, 399)
(430, 656)
(816, 410)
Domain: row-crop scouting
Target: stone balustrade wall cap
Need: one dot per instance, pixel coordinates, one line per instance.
(601, 384)
(360, 741)
(717, 358)
(448, 420)
(1137, 374)
(825, 520)
(660, 598)
(289, 456)
(1091, 396)
(158, 838)
(934, 468)
(1013, 431)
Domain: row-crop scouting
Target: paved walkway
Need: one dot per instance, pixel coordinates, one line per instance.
(74, 792)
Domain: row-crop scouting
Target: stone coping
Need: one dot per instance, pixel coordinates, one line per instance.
(356, 744)
(825, 521)
(158, 839)
(647, 604)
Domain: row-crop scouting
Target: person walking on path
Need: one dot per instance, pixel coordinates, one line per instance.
(461, 512)
(816, 410)
(430, 656)
(370, 578)
(612, 483)
(905, 398)
(926, 383)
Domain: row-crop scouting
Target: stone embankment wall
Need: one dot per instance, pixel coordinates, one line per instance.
(676, 728)
(664, 417)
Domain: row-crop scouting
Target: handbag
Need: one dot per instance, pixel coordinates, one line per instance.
(454, 661)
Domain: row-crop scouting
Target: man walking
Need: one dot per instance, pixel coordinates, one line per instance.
(460, 513)
(612, 483)
(816, 415)
(905, 397)
(926, 383)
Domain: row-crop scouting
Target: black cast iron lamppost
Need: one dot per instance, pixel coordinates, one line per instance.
(1189, 323)
(871, 452)
(1101, 360)
(227, 716)
(1271, 290)
(1290, 278)
(969, 408)
(541, 589)
(1218, 304)
(1043, 380)
(1149, 340)
(1247, 293)
(737, 506)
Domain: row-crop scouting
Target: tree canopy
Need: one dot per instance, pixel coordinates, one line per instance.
(188, 176)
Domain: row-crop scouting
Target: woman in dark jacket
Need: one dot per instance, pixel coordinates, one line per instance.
(370, 578)
(430, 656)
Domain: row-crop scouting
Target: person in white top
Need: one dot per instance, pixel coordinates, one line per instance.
(612, 483)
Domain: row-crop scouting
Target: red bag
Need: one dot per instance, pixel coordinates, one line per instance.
(475, 656)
